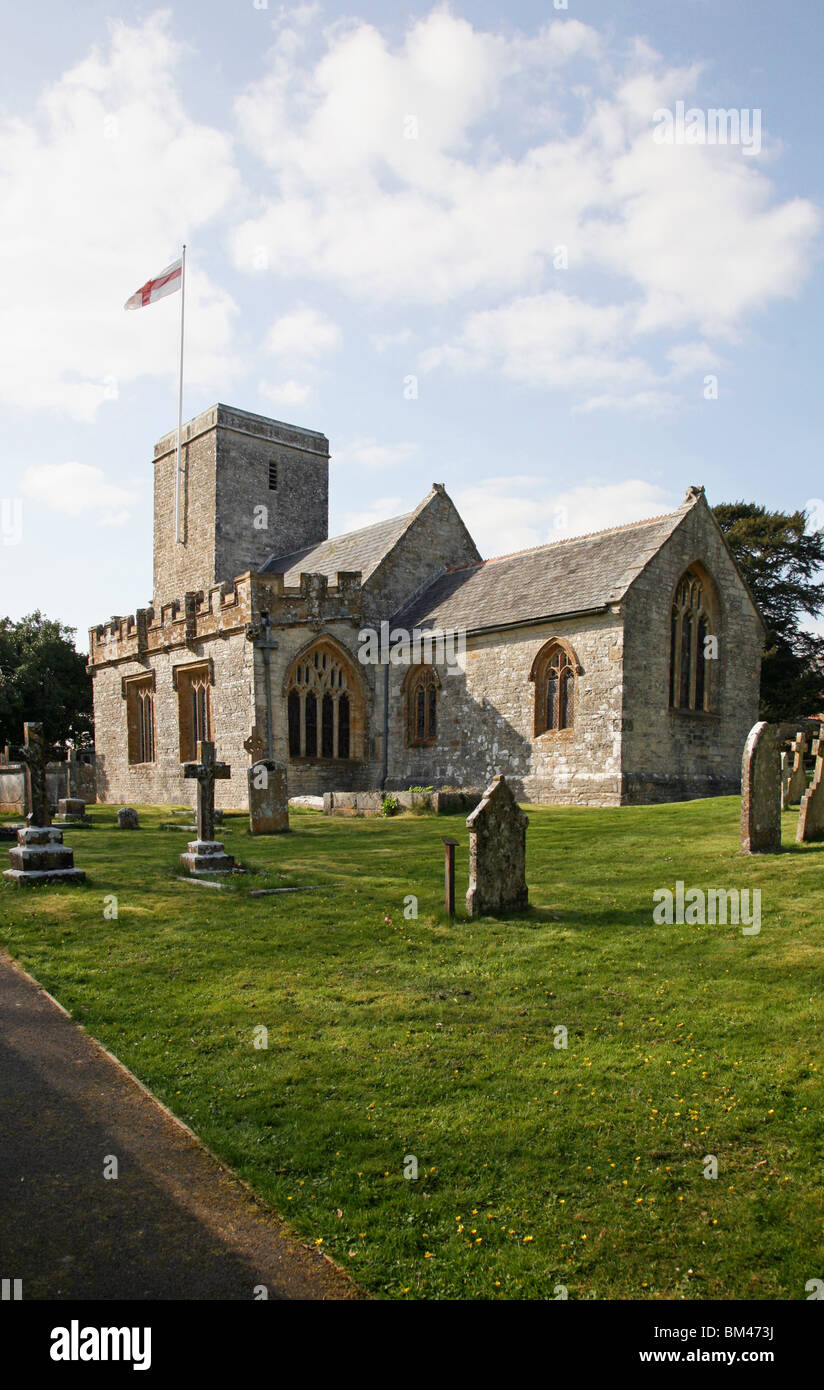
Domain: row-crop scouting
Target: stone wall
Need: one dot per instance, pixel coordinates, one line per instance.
(70, 778)
(212, 630)
(226, 455)
(673, 755)
(486, 719)
(436, 539)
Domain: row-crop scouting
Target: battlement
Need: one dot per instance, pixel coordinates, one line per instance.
(223, 609)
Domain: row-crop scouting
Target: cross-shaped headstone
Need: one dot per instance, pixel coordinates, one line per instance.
(207, 771)
(34, 756)
(254, 745)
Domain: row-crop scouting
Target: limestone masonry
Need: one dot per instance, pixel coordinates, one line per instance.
(605, 669)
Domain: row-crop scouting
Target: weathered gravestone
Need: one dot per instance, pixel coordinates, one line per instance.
(127, 819)
(497, 853)
(811, 819)
(786, 777)
(206, 855)
(268, 798)
(761, 791)
(40, 855)
(798, 772)
(71, 810)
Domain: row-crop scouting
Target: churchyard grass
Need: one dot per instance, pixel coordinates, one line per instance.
(540, 1168)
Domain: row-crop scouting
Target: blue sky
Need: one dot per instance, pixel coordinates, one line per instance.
(472, 196)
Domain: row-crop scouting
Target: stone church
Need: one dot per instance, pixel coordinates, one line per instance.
(612, 668)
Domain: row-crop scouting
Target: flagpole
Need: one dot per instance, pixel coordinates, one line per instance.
(178, 536)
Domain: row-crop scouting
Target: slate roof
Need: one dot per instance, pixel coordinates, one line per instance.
(578, 575)
(357, 550)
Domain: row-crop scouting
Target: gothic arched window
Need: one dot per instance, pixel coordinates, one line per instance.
(421, 689)
(693, 643)
(554, 672)
(324, 704)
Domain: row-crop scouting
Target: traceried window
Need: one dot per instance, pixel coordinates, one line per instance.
(554, 672)
(691, 624)
(324, 705)
(422, 687)
(140, 717)
(194, 707)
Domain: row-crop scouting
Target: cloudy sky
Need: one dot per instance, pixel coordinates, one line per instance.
(454, 239)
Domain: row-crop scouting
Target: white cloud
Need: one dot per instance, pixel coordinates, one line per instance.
(75, 488)
(98, 187)
(520, 144)
(303, 335)
(368, 453)
(285, 393)
(380, 510)
(515, 513)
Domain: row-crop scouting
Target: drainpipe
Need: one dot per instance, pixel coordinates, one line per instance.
(385, 726)
(266, 647)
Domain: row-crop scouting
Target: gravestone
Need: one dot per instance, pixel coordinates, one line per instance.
(206, 855)
(268, 798)
(71, 810)
(497, 853)
(761, 792)
(127, 819)
(798, 773)
(811, 819)
(39, 855)
(786, 777)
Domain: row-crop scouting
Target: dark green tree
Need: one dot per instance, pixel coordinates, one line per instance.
(43, 678)
(783, 563)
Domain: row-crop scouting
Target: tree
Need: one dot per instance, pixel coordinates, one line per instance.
(783, 563)
(43, 678)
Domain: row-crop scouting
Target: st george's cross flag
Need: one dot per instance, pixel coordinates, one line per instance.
(165, 283)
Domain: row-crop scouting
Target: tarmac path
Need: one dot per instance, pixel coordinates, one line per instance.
(174, 1224)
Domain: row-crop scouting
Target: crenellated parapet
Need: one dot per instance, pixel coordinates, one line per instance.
(314, 602)
(224, 609)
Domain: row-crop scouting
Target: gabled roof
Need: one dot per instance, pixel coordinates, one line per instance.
(579, 575)
(357, 550)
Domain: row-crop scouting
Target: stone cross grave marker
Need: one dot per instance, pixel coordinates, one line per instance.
(206, 854)
(254, 745)
(497, 853)
(761, 791)
(34, 756)
(40, 855)
(811, 819)
(798, 774)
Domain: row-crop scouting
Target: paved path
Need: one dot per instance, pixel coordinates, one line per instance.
(173, 1225)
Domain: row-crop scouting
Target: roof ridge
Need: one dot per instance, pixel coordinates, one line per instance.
(584, 536)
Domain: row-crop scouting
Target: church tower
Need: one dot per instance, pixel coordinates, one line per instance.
(251, 487)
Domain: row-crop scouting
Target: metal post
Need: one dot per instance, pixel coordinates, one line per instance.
(449, 876)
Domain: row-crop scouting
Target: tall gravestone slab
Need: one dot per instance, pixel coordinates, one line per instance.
(206, 855)
(268, 798)
(786, 778)
(761, 791)
(811, 819)
(497, 853)
(40, 855)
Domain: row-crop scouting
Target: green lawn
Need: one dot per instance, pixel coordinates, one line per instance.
(388, 1037)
